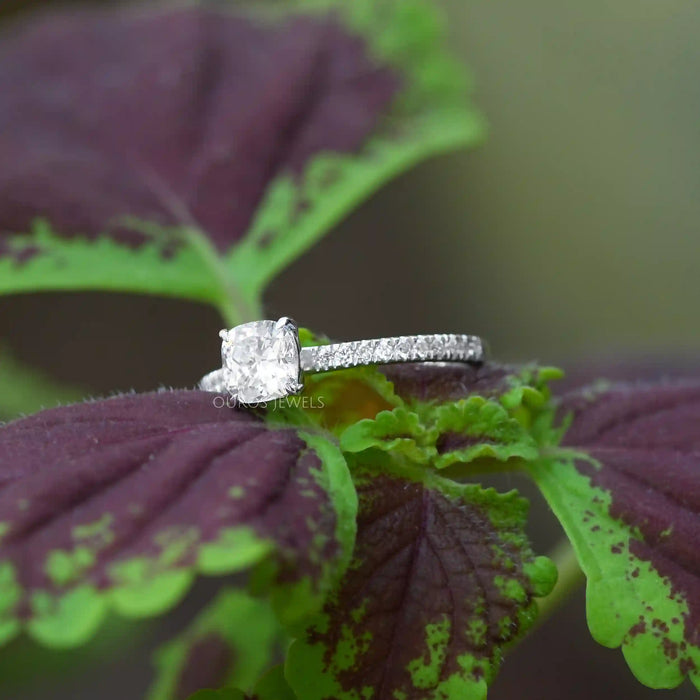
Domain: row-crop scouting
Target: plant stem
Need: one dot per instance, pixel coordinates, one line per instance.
(570, 578)
(232, 304)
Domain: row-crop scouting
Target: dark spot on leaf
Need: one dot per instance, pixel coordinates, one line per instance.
(300, 208)
(330, 176)
(687, 666)
(265, 240)
(638, 628)
(19, 255)
(660, 625)
(26, 254)
(670, 648)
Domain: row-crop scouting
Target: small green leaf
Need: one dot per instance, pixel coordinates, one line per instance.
(398, 431)
(442, 581)
(273, 686)
(458, 430)
(223, 694)
(478, 428)
(229, 644)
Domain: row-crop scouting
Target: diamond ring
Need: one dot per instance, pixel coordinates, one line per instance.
(263, 360)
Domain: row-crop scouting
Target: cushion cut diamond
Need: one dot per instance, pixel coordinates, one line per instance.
(261, 361)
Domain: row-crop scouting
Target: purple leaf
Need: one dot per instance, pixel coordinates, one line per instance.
(119, 502)
(619, 368)
(429, 382)
(175, 117)
(442, 579)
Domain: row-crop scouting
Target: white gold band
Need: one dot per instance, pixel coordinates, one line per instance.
(381, 351)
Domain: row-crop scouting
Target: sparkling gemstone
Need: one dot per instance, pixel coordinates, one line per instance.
(261, 361)
(323, 357)
(364, 354)
(423, 348)
(403, 348)
(344, 355)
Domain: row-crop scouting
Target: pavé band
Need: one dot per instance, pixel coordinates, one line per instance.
(263, 361)
(405, 348)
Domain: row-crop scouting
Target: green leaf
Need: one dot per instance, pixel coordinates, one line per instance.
(398, 431)
(273, 686)
(229, 644)
(625, 484)
(430, 116)
(26, 390)
(192, 269)
(442, 581)
(223, 694)
(464, 430)
(458, 432)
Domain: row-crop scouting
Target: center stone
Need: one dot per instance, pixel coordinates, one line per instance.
(261, 361)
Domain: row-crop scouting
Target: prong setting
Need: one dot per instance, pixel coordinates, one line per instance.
(286, 322)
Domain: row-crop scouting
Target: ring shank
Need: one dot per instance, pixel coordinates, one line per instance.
(214, 381)
(438, 347)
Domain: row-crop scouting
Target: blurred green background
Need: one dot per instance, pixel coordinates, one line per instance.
(574, 230)
(571, 234)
